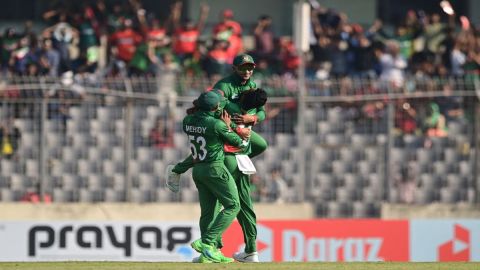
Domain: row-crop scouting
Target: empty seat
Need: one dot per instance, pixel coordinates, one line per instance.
(451, 155)
(96, 182)
(362, 209)
(456, 182)
(70, 182)
(429, 181)
(8, 195)
(344, 194)
(146, 182)
(61, 195)
(114, 195)
(31, 167)
(164, 195)
(189, 195)
(424, 155)
(338, 209)
(449, 195)
(352, 181)
(87, 195)
(141, 196)
(423, 195)
(398, 155)
(372, 195)
(340, 167)
(334, 139)
(360, 141)
(465, 168)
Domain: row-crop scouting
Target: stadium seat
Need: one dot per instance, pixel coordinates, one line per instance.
(338, 209)
(189, 195)
(345, 195)
(62, 195)
(114, 195)
(372, 195)
(423, 196)
(141, 196)
(449, 195)
(87, 195)
(70, 182)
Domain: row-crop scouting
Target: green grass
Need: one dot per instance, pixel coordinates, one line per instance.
(235, 266)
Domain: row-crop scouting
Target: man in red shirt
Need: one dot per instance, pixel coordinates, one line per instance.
(231, 31)
(186, 34)
(125, 41)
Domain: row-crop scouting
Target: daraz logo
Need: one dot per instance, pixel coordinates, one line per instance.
(457, 249)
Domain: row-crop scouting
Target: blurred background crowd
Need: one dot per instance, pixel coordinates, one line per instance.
(126, 39)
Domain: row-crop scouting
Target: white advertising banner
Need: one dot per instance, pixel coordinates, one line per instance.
(97, 241)
(444, 240)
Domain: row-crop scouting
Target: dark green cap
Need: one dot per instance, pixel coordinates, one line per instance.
(208, 101)
(243, 59)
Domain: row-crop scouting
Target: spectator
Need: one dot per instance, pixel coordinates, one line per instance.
(59, 107)
(276, 188)
(186, 34)
(217, 60)
(264, 38)
(434, 122)
(49, 59)
(63, 35)
(123, 43)
(161, 135)
(231, 31)
(9, 43)
(10, 137)
(392, 65)
(147, 56)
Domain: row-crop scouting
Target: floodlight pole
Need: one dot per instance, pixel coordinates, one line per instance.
(301, 21)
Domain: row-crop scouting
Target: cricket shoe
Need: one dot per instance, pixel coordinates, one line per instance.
(201, 259)
(215, 254)
(246, 257)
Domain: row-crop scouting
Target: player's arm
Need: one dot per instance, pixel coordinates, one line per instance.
(260, 115)
(183, 165)
(225, 132)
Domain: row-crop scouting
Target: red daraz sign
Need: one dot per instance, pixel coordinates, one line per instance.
(326, 240)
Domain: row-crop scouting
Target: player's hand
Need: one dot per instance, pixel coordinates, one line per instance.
(226, 118)
(244, 133)
(243, 119)
(172, 179)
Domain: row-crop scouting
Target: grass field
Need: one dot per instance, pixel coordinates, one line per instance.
(236, 266)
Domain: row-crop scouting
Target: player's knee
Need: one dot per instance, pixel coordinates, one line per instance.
(234, 207)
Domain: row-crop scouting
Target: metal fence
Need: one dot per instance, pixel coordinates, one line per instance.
(362, 141)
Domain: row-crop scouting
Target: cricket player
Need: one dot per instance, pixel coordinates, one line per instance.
(232, 86)
(207, 135)
(248, 103)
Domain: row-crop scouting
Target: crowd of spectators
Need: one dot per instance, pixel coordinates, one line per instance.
(131, 40)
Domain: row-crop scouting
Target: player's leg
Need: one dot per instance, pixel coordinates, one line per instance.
(246, 216)
(208, 207)
(258, 144)
(221, 184)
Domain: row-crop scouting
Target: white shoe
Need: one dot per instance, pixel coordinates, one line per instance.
(246, 257)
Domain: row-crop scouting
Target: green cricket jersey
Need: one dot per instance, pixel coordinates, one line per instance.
(232, 87)
(207, 135)
(232, 108)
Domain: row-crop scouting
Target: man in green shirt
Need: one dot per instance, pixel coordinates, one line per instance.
(214, 182)
(232, 86)
(248, 103)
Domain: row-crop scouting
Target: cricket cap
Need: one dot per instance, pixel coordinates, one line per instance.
(208, 101)
(243, 59)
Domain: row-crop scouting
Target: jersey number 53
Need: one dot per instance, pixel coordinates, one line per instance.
(197, 147)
